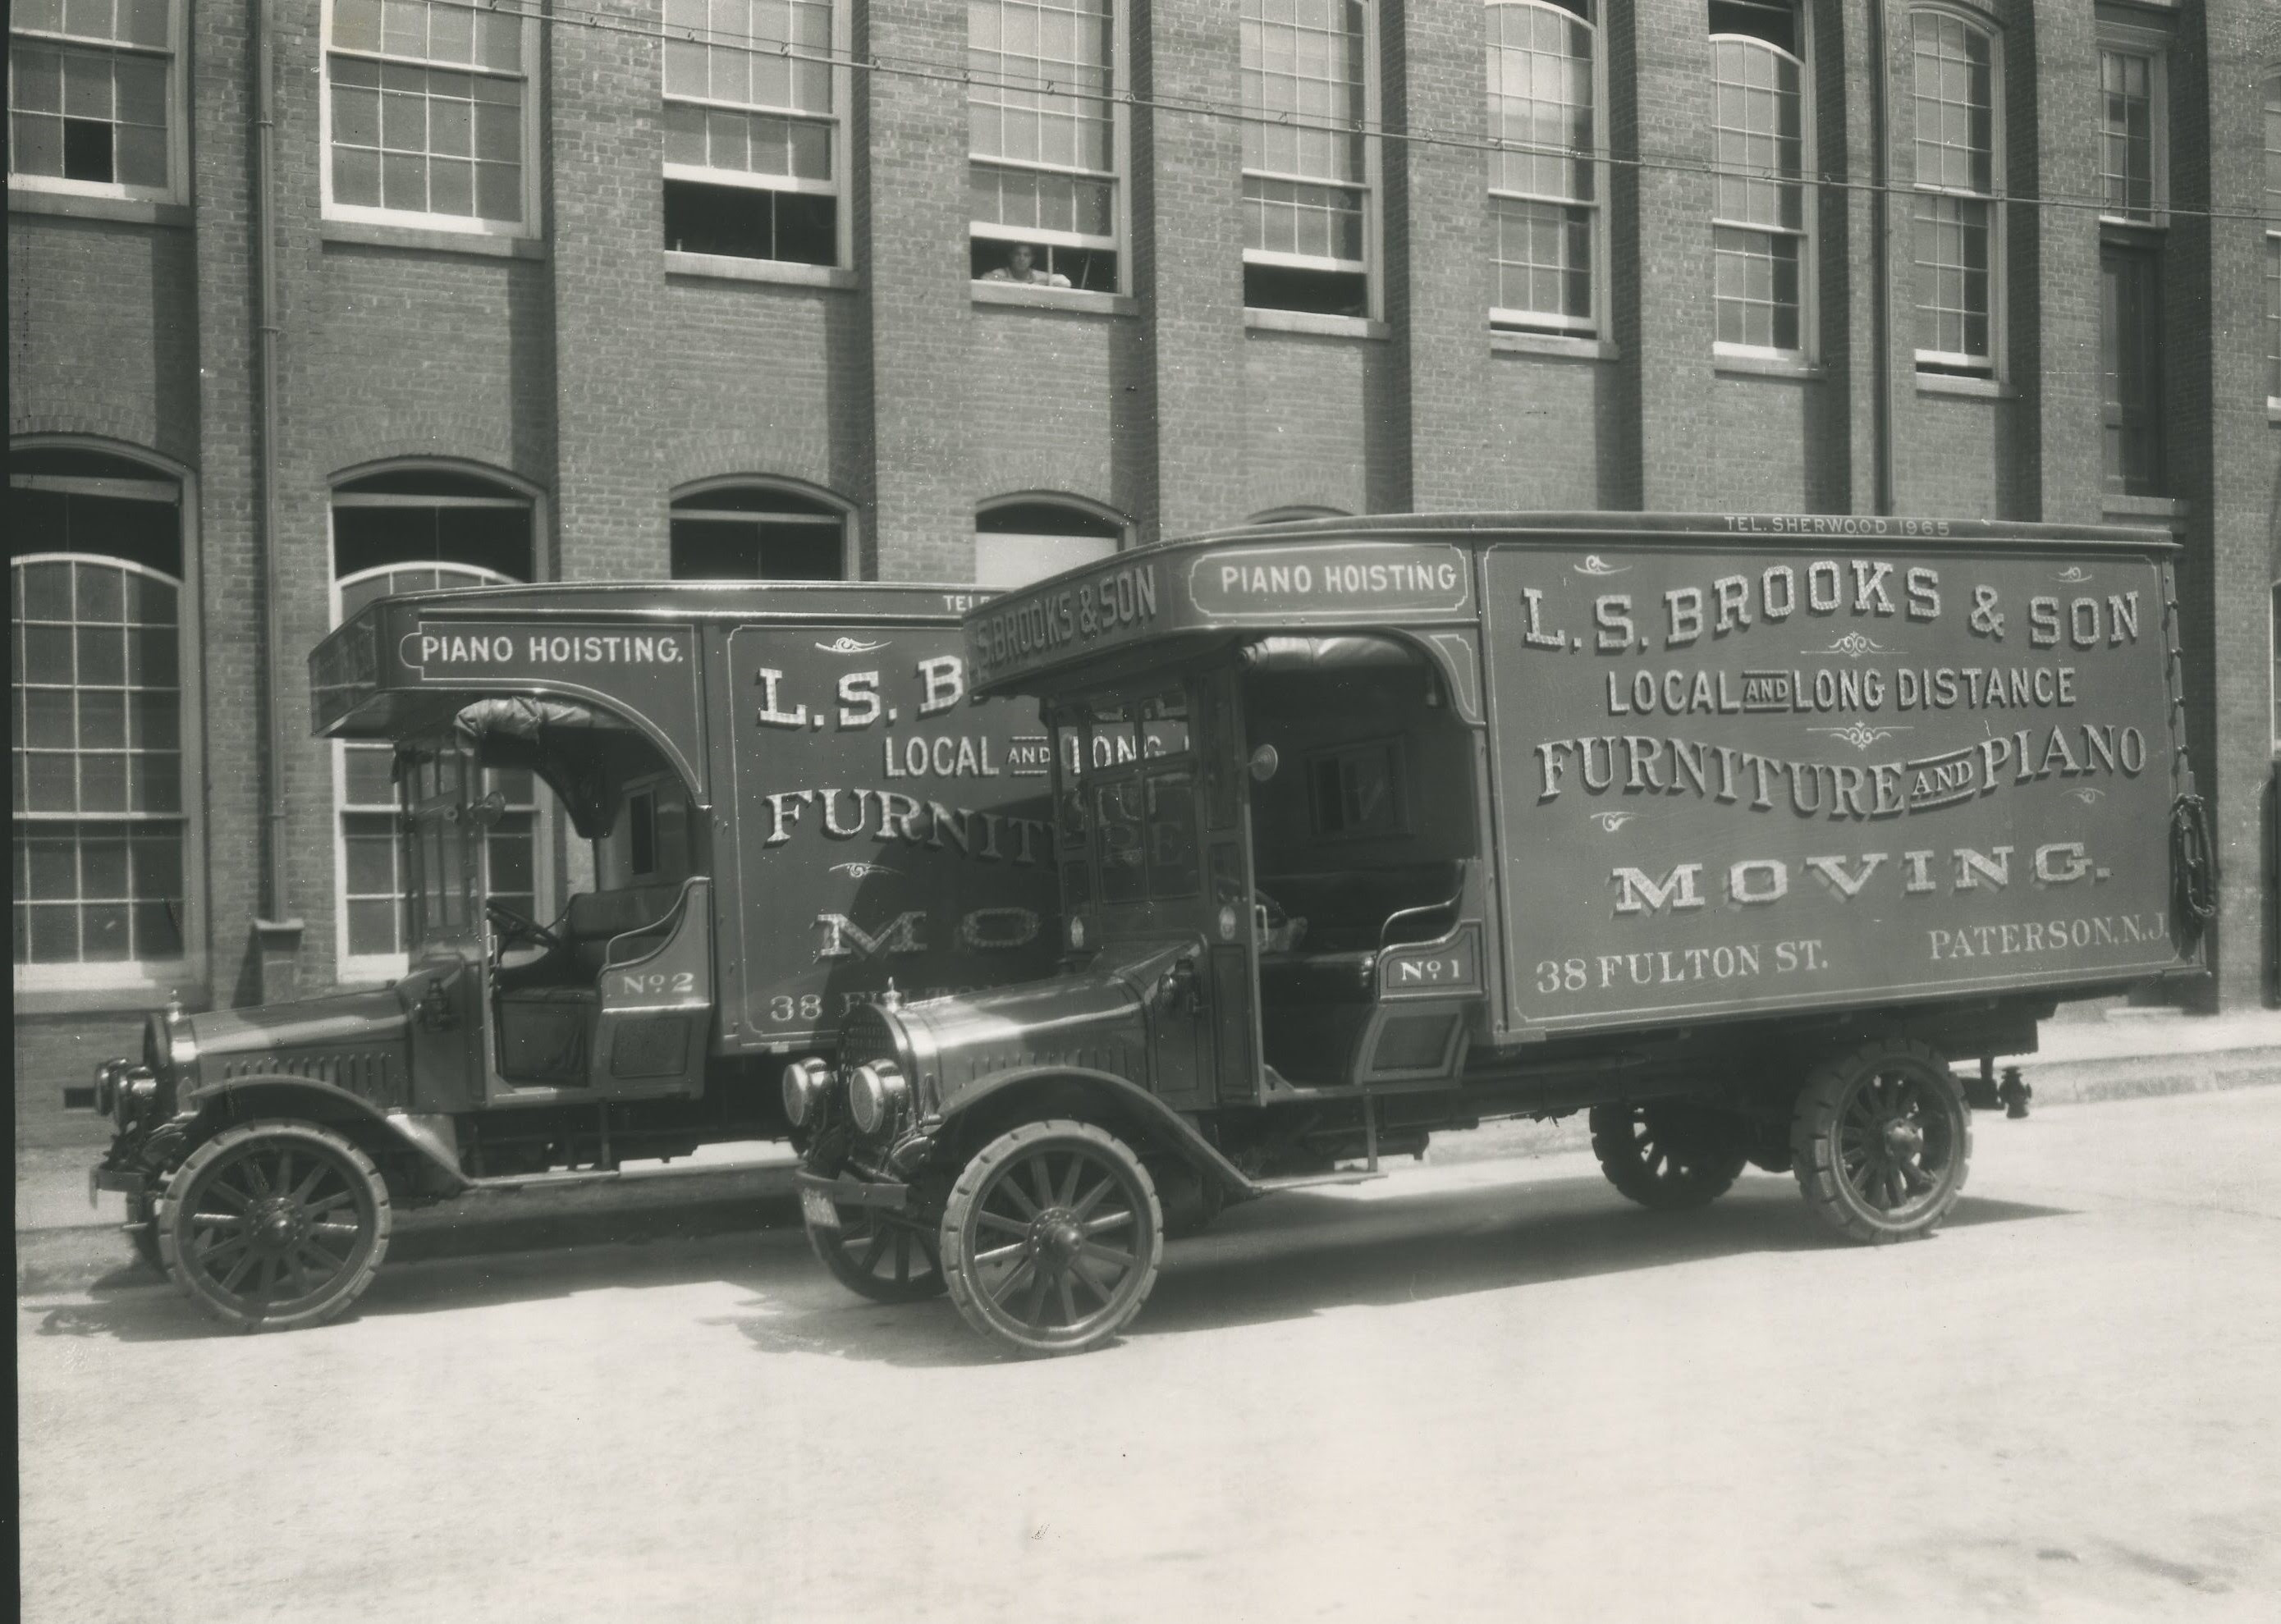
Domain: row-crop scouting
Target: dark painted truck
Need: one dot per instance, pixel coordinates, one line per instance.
(793, 802)
(1736, 832)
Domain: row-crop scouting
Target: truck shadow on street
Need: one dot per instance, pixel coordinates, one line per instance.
(1297, 1256)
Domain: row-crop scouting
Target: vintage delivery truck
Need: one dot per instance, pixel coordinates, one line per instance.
(1736, 832)
(791, 798)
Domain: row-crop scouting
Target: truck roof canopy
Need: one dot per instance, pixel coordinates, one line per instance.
(418, 663)
(1403, 573)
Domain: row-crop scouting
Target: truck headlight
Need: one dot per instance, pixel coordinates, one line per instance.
(875, 1093)
(803, 1085)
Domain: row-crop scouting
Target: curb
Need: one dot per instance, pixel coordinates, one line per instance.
(667, 1203)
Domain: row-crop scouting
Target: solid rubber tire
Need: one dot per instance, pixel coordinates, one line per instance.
(976, 1179)
(1814, 1140)
(376, 1222)
(1708, 1175)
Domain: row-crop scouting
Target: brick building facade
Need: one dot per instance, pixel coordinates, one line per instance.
(646, 285)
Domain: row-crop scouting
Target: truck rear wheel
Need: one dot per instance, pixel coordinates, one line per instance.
(275, 1225)
(1881, 1140)
(1051, 1238)
(875, 1257)
(1669, 1154)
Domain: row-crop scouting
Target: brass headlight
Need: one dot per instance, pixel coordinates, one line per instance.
(803, 1085)
(874, 1094)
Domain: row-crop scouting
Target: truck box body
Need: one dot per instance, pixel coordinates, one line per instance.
(1740, 764)
(869, 819)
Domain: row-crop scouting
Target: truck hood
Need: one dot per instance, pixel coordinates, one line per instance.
(310, 1037)
(1091, 1018)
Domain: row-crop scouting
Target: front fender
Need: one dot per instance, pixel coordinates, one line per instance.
(1118, 1103)
(432, 1140)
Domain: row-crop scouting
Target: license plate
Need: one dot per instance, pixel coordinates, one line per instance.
(816, 1206)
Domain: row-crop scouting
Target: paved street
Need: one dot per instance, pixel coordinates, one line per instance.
(1490, 1390)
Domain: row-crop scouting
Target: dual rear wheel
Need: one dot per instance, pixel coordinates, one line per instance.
(1880, 1141)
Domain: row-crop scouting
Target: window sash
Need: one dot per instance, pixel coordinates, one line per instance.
(160, 51)
(440, 175)
(1309, 78)
(101, 886)
(1559, 273)
(2129, 143)
(1955, 90)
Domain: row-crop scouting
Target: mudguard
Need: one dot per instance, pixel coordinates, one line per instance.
(431, 1139)
(1127, 1099)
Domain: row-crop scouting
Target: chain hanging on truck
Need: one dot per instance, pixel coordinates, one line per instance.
(2193, 859)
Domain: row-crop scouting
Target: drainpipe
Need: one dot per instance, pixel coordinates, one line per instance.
(1881, 269)
(278, 933)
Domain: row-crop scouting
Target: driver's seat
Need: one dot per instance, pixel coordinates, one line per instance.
(592, 920)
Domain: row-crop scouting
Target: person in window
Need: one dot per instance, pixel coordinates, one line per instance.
(1020, 267)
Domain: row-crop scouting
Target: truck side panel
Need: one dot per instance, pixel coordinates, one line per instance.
(1777, 776)
(880, 822)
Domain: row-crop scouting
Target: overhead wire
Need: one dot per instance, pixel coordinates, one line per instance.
(937, 71)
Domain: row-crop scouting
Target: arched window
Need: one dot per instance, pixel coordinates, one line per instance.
(1958, 101)
(102, 822)
(406, 530)
(1022, 539)
(1762, 222)
(731, 531)
(1546, 181)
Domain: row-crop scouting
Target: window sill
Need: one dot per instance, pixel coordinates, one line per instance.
(2114, 505)
(1961, 384)
(371, 235)
(1742, 362)
(1512, 342)
(2272, 410)
(135, 211)
(1055, 298)
(124, 998)
(730, 268)
(1309, 321)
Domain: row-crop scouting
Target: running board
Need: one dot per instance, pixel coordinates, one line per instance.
(1302, 1181)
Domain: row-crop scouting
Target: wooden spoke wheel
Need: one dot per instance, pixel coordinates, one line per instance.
(275, 1225)
(878, 1255)
(1881, 1140)
(1668, 1155)
(1051, 1238)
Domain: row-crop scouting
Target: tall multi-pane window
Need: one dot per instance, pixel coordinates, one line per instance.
(416, 529)
(2127, 132)
(2273, 241)
(1043, 132)
(2134, 193)
(1762, 213)
(1306, 156)
(1956, 234)
(755, 149)
(95, 98)
(1545, 169)
(431, 113)
(732, 531)
(96, 641)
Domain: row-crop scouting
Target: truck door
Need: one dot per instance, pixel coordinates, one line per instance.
(654, 1013)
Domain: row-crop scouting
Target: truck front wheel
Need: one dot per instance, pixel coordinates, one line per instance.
(1051, 1238)
(275, 1225)
(1881, 1140)
(1668, 1155)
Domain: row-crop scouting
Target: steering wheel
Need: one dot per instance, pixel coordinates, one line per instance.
(516, 928)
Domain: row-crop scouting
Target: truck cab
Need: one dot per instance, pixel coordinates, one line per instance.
(1362, 832)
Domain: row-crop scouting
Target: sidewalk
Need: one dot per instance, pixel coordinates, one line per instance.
(61, 1239)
